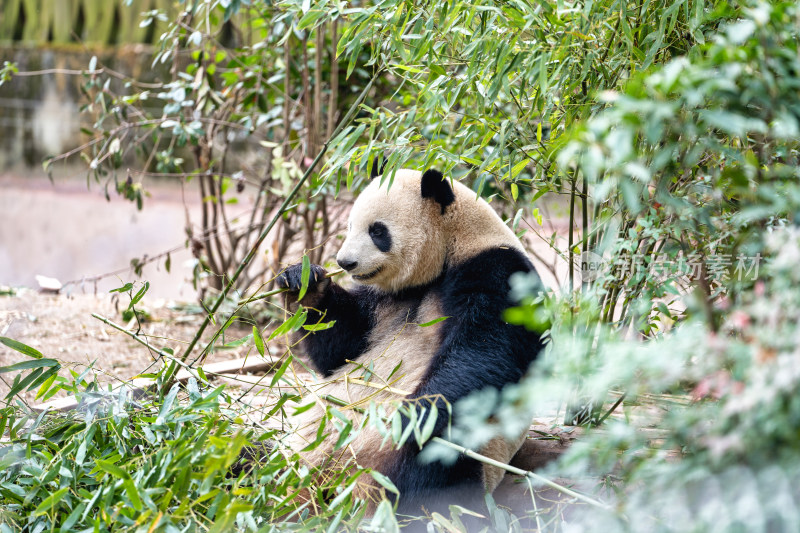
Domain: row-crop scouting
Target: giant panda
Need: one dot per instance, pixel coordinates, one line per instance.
(418, 249)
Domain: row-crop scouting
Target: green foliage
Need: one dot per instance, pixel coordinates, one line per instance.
(696, 157)
(153, 464)
(703, 151)
(8, 70)
(492, 87)
(672, 127)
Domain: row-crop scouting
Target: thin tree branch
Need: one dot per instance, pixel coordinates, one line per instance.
(170, 373)
(521, 472)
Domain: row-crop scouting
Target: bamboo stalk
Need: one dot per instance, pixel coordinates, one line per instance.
(309, 119)
(334, 96)
(613, 408)
(317, 122)
(521, 472)
(571, 240)
(254, 249)
(585, 221)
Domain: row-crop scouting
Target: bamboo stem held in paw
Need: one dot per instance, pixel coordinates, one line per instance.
(267, 294)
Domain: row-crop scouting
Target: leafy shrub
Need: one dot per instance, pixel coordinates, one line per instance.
(672, 126)
(698, 155)
(171, 463)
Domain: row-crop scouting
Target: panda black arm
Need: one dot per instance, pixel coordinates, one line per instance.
(326, 301)
(479, 349)
(353, 312)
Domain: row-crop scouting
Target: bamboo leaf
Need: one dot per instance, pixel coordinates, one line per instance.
(430, 424)
(111, 468)
(294, 323)
(259, 341)
(21, 348)
(304, 277)
(49, 503)
(281, 371)
(133, 494)
(319, 327)
(27, 365)
(384, 482)
(140, 294)
(434, 321)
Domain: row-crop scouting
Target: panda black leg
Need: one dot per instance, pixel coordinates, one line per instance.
(432, 487)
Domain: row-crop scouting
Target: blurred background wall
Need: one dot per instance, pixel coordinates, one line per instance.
(39, 113)
(64, 228)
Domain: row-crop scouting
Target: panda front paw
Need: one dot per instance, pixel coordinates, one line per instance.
(292, 278)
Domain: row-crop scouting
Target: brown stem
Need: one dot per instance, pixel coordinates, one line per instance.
(334, 96)
(326, 224)
(317, 125)
(219, 270)
(309, 218)
(286, 99)
(170, 372)
(571, 236)
(585, 218)
(221, 176)
(309, 119)
(261, 196)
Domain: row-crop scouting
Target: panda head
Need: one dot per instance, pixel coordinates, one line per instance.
(396, 236)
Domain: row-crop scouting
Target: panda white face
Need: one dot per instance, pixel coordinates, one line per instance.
(366, 253)
(395, 237)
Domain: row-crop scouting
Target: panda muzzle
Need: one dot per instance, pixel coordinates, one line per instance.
(364, 277)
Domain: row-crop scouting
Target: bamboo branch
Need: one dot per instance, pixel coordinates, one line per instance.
(521, 472)
(613, 408)
(142, 341)
(254, 249)
(88, 72)
(191, 371)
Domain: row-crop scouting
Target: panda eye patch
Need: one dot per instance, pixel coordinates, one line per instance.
(379, 234)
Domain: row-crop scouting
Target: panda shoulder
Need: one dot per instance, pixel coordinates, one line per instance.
(488, 270)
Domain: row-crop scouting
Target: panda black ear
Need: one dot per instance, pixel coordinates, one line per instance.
(378, 164)
(435, 186)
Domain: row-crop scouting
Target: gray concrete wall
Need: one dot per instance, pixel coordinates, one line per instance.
(40, 115)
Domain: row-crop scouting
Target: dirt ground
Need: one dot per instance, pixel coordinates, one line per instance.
(62, 328)
(68, 230)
